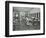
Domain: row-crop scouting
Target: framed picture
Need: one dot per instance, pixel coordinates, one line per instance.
(24, 18)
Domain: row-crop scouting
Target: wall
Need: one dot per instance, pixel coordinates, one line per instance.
(35, 10)
(2, 19)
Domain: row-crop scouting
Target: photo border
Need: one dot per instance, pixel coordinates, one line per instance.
(7, 18)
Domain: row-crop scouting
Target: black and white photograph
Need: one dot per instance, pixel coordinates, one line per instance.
(24, 18)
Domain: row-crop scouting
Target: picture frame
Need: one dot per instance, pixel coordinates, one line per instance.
(23, 8)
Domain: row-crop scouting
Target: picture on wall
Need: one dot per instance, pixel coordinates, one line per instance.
(24, 18)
